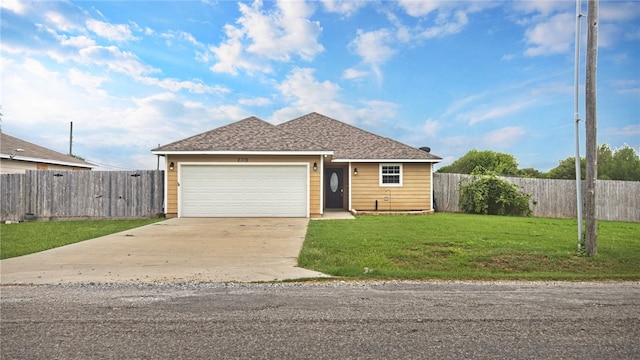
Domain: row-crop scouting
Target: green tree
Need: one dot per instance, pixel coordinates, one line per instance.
(625, 164)
(605, 162)
(566, 169)
(487, 194)
(621, 164)
(530, 173)
(500, 163)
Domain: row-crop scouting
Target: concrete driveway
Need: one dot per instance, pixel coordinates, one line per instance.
(175, 250)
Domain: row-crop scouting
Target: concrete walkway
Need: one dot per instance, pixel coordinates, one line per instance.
(175, 250)
(335, 215)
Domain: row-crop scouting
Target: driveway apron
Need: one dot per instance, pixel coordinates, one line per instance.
(175, 250)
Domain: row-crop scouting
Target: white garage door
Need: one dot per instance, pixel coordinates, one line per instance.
(244, 190)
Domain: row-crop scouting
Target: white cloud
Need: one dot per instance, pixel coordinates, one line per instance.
(114, 59)
(376, 113)
(352, 74)
(306, 94)
(375, 49)
(431, 127)
(451, 16)
(300, 35)
(629, 130)
(16, 6)
(631, 87)
(378, 46)
(83, 51)
(108, 129)
(76, 41)
(552, 36)
(446, 24)
(38, 96)
(550, 25)
(276, 35)
(495, 112)
(542, 7)
(421, 8)
(170, 36)
(60, 22)
(117, 33)
(459, 105)
(87, 81)
(506, 103)
(232, 57)
(618, 11)
(507, 57)
(257, 101)
(504, 137)
(343, 7)
(195, 87)
(374, 46)
(300, 85)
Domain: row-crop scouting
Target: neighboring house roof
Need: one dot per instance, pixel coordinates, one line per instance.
(351, 143)
(250, 134)
(36, 153)
(310, 133)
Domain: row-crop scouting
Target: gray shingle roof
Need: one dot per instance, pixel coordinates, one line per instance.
(250, 134)
(311, 132)
(350, 142)
(36, 153)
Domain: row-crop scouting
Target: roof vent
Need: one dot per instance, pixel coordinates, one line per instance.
(426, 148)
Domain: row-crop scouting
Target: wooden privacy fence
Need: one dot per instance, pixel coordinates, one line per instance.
(615, 200)
(51, 194)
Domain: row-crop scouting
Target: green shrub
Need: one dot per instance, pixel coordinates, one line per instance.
(487, 194)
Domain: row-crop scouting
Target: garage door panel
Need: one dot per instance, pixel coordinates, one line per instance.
(244, 191)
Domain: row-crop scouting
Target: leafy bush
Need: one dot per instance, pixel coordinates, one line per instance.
(487, 194)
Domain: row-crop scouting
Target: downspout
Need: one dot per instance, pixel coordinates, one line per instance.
(322, 184)
(431, 184)
(350, 186)
(166, 185)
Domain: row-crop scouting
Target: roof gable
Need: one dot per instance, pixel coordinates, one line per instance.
(250, 134)
(36, 153)
(349, 142)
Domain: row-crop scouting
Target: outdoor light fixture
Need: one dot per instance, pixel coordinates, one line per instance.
(355, 171)
(171, 166)
(315, 166)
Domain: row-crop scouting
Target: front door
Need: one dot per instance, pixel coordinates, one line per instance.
(333, 188)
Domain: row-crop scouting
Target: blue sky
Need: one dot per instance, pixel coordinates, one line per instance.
(450, 75)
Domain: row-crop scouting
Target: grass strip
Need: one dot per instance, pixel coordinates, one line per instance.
(461, 246)
(31, 237)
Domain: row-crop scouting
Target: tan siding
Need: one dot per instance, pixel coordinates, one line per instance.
(414, 194)
(314, 176)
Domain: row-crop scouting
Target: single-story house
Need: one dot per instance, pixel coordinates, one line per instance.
(299, 168)
(17, 156)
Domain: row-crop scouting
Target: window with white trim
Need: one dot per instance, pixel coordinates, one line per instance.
(390, 174)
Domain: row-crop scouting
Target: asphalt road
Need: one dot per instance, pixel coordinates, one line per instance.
(405, 320)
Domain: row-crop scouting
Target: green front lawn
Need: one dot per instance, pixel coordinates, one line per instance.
(30, 237)
(460, 246)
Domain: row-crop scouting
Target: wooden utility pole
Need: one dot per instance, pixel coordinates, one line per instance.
(591, 241)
